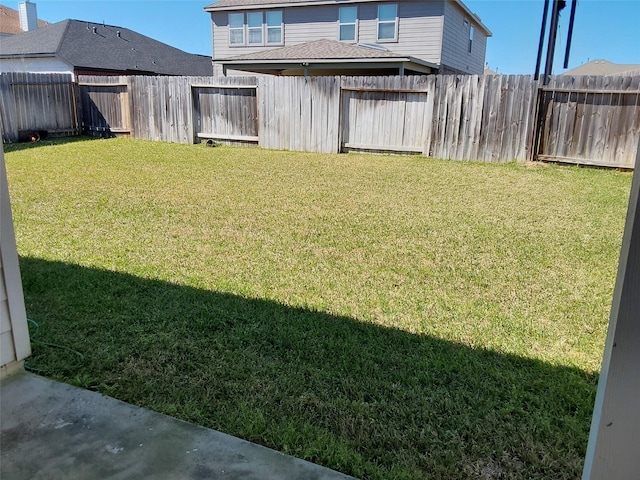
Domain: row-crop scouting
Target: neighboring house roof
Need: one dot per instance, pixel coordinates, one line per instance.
(327, 53)
(86, 45)
(604, 67)
(10, 21)
(488, 71)
(222, 5)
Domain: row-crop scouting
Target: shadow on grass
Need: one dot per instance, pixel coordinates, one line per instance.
(368, 401)
(47, 142)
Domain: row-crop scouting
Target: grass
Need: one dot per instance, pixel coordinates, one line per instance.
(385, 316)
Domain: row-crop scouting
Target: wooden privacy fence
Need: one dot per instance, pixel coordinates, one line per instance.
(105, 107)
(32, 103)
(224, 111)
(589, 120)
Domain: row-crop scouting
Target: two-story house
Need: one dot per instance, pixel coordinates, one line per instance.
(346, 37)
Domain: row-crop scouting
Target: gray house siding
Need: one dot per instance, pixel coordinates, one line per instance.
(455, 43)
(420, 29)
(433, 31)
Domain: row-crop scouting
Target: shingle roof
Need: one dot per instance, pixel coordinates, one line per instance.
(96, 46)
(604, 67)
(10, 21)
(317, 50)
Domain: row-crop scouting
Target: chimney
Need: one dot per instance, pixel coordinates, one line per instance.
(28, 16)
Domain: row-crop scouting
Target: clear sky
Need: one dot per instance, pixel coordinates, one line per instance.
(608, 29)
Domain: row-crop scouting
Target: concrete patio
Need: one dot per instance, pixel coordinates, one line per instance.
(51, 430)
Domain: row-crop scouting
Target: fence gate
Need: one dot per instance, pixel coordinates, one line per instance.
(106, 108)
(384, 119)
(228, 113)
(591, 121)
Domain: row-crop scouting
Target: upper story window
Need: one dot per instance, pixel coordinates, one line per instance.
(348, 21)
(388, 22)
(250, 28)
(469, 28)
(274, 27)
(236, 28)
(254, 28)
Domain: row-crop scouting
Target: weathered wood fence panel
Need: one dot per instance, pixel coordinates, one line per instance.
(226, 110)
(105, 105)
(484, 118)
(299, 113)
(162, 108)
(385, 114)
(30, 103)
(590, 120)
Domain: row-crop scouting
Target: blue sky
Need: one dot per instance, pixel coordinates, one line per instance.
(603, 28)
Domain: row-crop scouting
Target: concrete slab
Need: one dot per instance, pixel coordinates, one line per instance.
(51, 430)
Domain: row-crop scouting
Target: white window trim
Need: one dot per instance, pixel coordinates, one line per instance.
(250, 29)
(244, 33)
(264, 29)
(471, 35)
(378, 22)
(355, 25)
(281, 27)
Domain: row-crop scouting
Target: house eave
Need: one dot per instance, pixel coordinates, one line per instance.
(13, 56)
(401, 63)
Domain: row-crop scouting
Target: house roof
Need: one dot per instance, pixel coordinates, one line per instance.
(10, 21)
(605, 67)
(326, 54)
(320, 49)
(222, 5)
(105, 47)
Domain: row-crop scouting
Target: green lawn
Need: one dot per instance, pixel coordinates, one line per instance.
(385, 316)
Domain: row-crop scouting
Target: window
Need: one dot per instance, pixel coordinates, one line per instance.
(347, 20)
(470, 37)
(274, 27)
(388, 22)
(254, 21)
(253, 31)
(236, 28)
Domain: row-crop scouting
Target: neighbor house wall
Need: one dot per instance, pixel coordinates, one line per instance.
(34, 65)
(420, 28)
(455, 43)
(14, 334)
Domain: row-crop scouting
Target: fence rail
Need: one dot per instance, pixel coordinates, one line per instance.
(587, 120)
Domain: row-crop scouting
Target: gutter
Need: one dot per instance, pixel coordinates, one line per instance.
(231, 61)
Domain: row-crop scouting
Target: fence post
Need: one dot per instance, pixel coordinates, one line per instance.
(614, 440)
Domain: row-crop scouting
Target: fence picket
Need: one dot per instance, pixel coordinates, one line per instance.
(593, 120)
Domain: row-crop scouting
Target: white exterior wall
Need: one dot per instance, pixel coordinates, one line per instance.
(420, 28)
(455, 42)
(14, 333)
(35, 65)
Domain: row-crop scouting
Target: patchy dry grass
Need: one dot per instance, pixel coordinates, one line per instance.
(386, 316)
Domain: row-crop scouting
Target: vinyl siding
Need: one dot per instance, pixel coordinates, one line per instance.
(14, 333)
(455, 42)
(420, 28)
(35, 65)
(7, 350)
